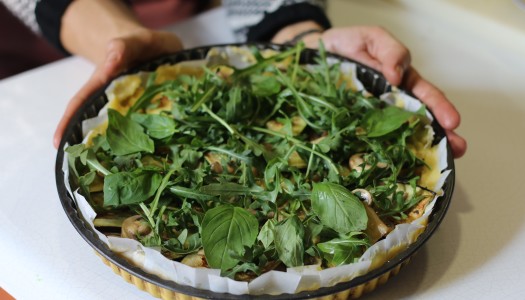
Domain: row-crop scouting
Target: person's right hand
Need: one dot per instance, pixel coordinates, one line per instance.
(121, 53)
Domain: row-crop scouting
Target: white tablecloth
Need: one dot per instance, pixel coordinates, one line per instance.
(476, 253)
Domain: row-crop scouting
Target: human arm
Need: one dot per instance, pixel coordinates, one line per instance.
(129, 42)
(114, 42)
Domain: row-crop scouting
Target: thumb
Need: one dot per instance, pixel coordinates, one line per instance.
(142, 46)
(395, 60)
(393, 57)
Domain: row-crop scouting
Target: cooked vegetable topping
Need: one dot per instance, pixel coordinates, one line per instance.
(247, 170)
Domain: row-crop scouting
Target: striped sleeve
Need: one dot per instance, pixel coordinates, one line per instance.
(260, 20)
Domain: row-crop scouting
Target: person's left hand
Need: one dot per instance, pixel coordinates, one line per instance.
(375, 47)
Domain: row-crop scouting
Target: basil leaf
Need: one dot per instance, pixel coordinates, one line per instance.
(338, 208)
(227, 229)
(288, 239)
(125, 136)
(157, 126)
(381, 122)
(342, 251)
(127, 188)
(266, 235)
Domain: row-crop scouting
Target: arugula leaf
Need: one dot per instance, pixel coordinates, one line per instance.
(92, 161)
(244, 267)
(157, 126)
(86, 156)
(234, 104)
(343, 250)
(125, 136)
(383, 121)
(84, 182)
(240, 157)
(87, 179)
(338, 208)
(182, 246)
(126, 188)
(75, 150)
(227, 228)
(289, 236)
(150, 92)
(190, 193)
(230, 189)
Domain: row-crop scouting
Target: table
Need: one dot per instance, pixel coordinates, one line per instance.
(477, 251)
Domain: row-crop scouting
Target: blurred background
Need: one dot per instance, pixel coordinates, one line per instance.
(21, 49)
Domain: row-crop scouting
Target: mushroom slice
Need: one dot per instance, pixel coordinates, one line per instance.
(298, 125)
(358, 163)
(196, 260)
(419, 209)
(135, 227)
(295, 160)
(215, 160)
(363, 195)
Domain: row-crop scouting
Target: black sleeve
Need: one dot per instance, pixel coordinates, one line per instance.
(49, 14)
(284, 16)
(49, 18)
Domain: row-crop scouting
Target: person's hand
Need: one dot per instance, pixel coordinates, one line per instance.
(121, 53)
(375, 47)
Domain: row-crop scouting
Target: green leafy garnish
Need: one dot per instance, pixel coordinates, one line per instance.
(343, 250)
(251, 166)
(157, 126)
(338, 208)
(381, 122)
(225, 230)
(289, 242)
(126, 188)
(125, 136)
